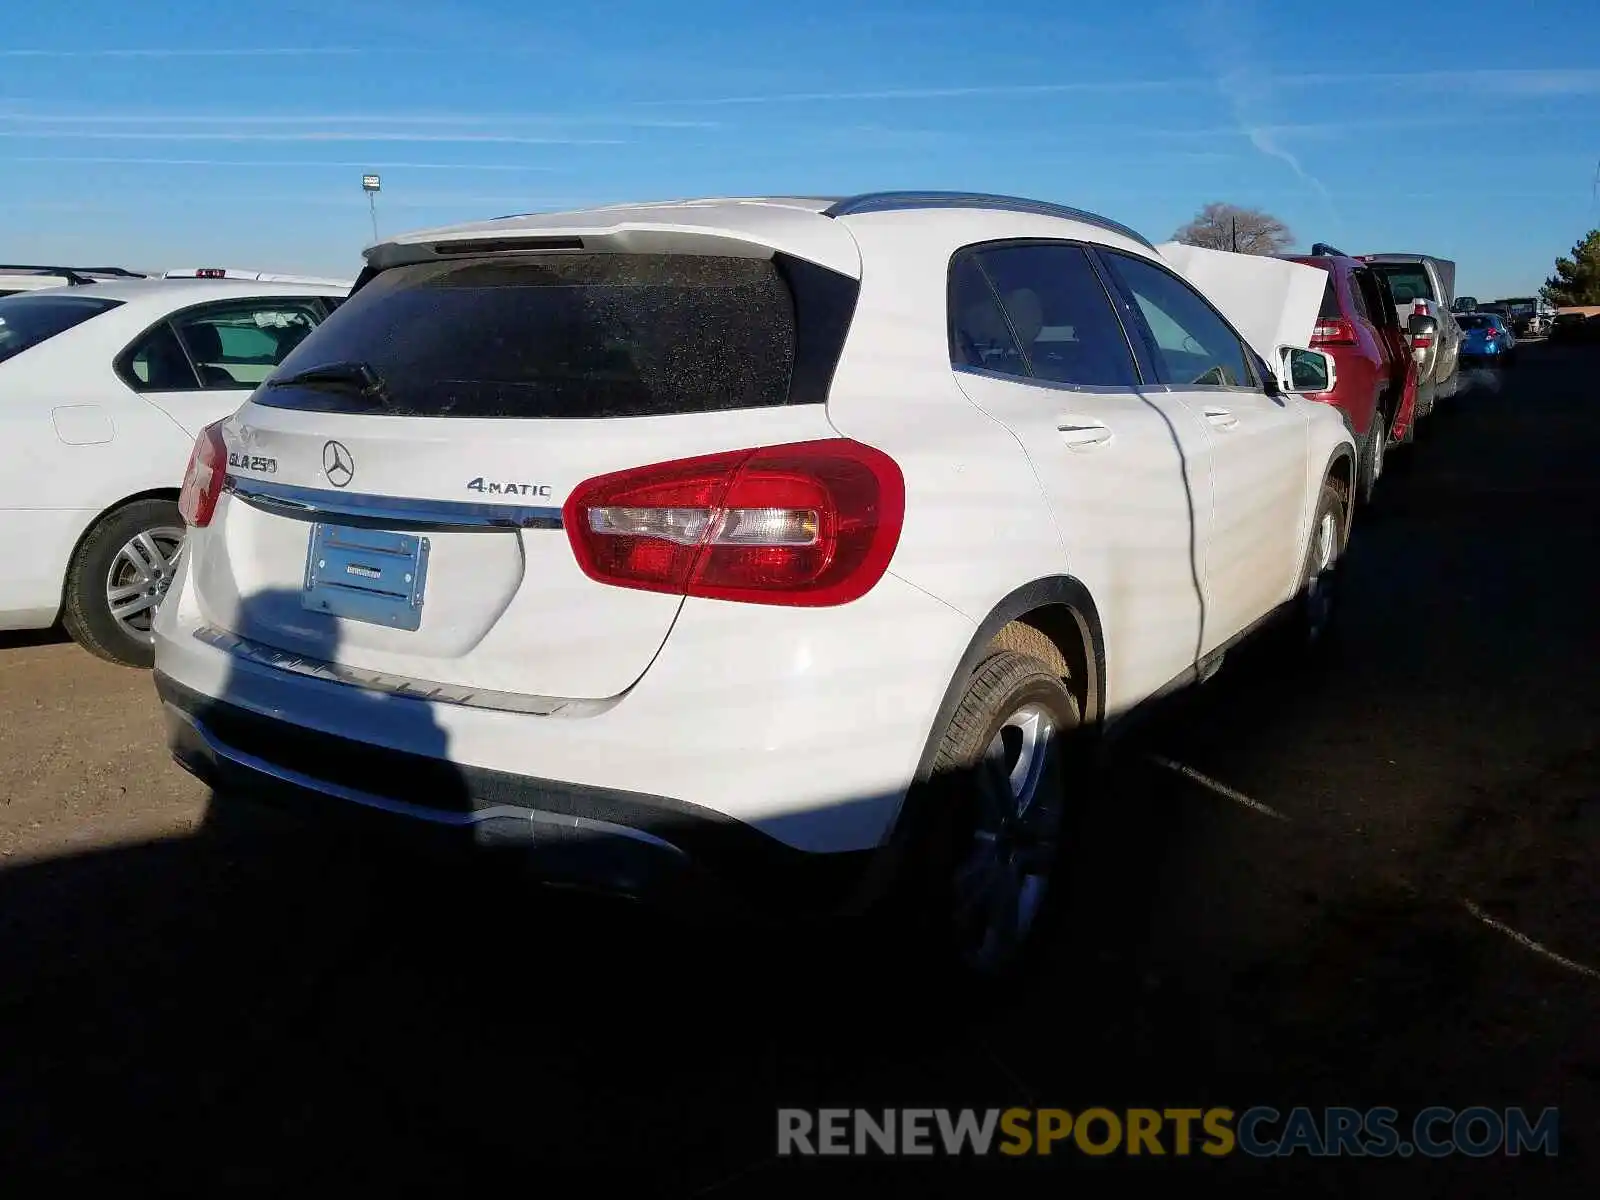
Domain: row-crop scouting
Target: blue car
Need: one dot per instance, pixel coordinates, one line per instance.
(1487, 338)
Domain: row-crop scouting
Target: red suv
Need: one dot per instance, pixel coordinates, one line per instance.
(1376, 384)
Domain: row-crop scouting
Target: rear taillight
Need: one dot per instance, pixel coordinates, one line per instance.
(203, 480)
(1335, 332)
(809, 523)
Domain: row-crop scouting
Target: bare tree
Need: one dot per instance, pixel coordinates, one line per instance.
(1243, 230)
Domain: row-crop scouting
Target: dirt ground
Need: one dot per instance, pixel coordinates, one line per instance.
(251, 1010)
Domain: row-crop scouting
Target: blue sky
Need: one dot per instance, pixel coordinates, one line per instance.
(164, 134)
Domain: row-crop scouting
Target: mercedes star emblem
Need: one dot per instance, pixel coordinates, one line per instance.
(337, 464)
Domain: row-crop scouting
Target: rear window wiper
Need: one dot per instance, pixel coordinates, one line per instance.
(358, 378)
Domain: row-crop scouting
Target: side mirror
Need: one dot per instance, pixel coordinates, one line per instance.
(1305, 372)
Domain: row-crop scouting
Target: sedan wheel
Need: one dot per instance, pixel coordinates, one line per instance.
(139, 577)
(118, 578)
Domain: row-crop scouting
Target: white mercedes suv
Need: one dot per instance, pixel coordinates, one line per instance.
(788, 543)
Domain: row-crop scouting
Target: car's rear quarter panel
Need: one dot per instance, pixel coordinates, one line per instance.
(977, 523)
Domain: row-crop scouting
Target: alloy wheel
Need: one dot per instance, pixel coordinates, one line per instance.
(139, 577)
(1319, 588)
(1001, 883)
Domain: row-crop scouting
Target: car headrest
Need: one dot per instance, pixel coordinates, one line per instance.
(986, 325)
(1027, 315)
(205, 343)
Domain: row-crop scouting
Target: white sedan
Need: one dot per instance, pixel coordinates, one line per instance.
(104, 387)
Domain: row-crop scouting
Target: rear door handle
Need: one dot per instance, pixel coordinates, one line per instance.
(1080, 433)
(1221, 418)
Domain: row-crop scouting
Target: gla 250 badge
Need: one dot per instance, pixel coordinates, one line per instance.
(248, 462)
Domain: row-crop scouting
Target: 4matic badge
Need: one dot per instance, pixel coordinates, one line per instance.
(250, 462)
(509, 489)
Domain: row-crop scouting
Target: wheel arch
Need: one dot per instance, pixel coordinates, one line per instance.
(94, 522)
(1057, 608)
(1341, 471)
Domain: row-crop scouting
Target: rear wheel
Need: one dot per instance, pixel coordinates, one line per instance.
(982, 884)
(1373, 451)
(1425, 392)
(118, 576)
(1316, 604)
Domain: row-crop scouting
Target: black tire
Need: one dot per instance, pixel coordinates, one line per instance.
(1374, 449)
(963, 834)
(86, 609)
(1316, 604)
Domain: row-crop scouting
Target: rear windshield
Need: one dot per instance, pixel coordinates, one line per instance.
(1408, 281)
(26, 320)
(572, 334)
(1474, 321)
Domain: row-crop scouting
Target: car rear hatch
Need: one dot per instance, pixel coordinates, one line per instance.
(397, 512)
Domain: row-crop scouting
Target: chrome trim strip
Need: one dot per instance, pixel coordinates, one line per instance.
(436, 816)
(397, 685)
(871, 202)
(1132, 389)
(387, 512)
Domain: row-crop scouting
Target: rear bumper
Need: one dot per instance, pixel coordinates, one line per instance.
(629, 843)
(805, 725)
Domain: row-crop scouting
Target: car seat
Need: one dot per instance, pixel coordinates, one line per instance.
(1079, 360)
(205, 345)
(987, 341)
(167, 368)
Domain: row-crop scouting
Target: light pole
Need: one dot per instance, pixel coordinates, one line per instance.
(372, 185)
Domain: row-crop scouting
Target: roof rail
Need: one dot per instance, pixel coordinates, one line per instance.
(1323, 250)
(75, 276)
(900, 201)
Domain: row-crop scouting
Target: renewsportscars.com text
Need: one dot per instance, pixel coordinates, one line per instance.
(1260, 1132)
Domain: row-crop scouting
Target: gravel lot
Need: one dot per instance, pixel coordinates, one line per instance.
(190, 1008)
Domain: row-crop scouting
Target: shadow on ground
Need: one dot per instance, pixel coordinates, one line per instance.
(255, 1008)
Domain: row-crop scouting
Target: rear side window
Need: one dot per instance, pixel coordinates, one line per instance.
(1055, 321)
(231, 346)
(27, 320)
(237, 346)
(575, 335)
